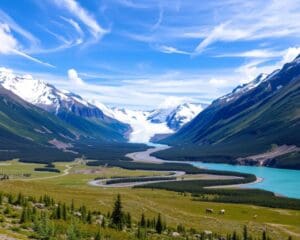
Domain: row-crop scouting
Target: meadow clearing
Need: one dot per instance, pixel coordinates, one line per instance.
(175, 208)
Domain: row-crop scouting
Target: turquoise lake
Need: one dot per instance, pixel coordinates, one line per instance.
(281, 181)
(284, 182)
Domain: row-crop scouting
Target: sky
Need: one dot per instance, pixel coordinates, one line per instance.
(144, 54)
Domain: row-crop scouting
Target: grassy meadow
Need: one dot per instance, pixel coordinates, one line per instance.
(175, 208)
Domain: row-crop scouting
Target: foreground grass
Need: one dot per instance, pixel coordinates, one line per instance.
(176, 208)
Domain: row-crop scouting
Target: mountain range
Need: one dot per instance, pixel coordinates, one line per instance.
(257, 123)
(147, 124)
(93, 120)
(259, 117)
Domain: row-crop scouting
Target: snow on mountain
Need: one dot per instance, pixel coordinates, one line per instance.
(146, 124)
(241, 89)
(46, 96)
(177, 116)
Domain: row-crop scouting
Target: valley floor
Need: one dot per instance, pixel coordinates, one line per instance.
(176, 208)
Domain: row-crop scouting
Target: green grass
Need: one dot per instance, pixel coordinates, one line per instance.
(175, 207)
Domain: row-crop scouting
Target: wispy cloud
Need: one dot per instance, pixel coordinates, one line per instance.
(170, 50)
(5, 18)
(262, 21)
(84, 16)
(10, 46)
(255, 53)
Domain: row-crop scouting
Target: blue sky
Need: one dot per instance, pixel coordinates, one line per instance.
(148, 53)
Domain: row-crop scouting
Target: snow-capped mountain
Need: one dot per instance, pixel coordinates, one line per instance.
(47, 96)
(146, 124)
(69, 106)
(242, 89)
(177, 116)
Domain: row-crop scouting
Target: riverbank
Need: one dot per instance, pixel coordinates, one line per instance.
(145, 157)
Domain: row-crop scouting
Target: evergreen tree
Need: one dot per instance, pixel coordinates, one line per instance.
(143, 221)
(72, 206)
(10, 199)
(159, 226)
(234, 236)
(98, 235)
(264, 235)
(64, 212)
(24, 215)
(128, 220)
(83, 212)
(245, 233)
(89, 218)
(117, 214)
(58, 212)
(103, 223)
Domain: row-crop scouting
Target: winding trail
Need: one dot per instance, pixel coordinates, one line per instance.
(145, 157)
(102, 182)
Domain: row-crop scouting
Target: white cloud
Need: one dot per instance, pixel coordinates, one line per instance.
(8, 42)
(74, 78)
(263, 20)
(10, 46)
(85, 17)
(160, 18)
(218, 82)
(255, 67)
(170, 50)
(255, 53)
(172, 101)
(4, 18)
(290, 54)
(74, 24)
(222, 32)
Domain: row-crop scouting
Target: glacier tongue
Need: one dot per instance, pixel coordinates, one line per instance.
(146, 124)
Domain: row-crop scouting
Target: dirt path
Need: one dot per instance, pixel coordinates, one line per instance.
(102, 182)
(145, 157)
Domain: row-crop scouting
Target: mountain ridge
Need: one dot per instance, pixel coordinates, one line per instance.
(249, 124)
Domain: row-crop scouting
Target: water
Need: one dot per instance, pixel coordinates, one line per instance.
(281, 181)
(284, 182)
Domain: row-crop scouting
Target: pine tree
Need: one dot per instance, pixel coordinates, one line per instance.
(143, 221)
(128, 220)
(83, 212)
(72, 206)
(103, 223)
(89, 218)
(58, 212)
(159, 226)
(98, 235)
(117, 214)
(264, 235)
(24, 215)
(245, 233)
(234, 236)
(64, 212)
